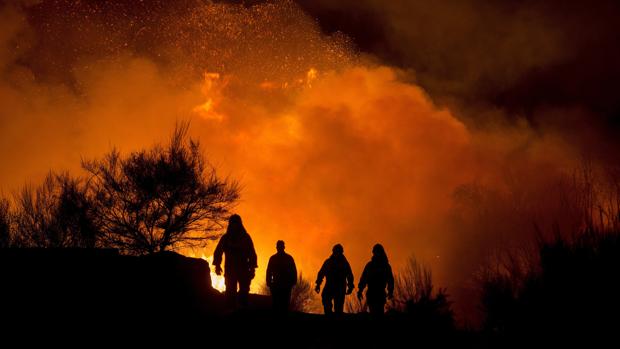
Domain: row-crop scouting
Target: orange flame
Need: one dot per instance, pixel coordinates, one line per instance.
(210, 89)
(217, 281)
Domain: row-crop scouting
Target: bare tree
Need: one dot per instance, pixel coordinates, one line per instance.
(56, 213)
(162, 198)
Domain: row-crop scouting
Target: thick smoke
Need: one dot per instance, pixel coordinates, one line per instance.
(331, 146)
(552, 62)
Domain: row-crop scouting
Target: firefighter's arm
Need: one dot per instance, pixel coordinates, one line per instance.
(217, 255)
(269, 272)
(362, 285)
(350, 283)
(319, 278)
(252, 255)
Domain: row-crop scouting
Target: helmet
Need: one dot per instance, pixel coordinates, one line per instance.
(378, 249)
(338, 249)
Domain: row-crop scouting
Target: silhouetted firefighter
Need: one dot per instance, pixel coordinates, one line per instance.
(377, 275)
(339, 278)
(281, 277)
(237, 245)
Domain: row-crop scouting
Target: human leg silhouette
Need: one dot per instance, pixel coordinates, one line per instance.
(231, 290)
(327, 298)
(339, 303)
(244, 290)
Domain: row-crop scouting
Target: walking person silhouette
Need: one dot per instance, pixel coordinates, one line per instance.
(236, 244)
(339, 280)
(281, 278)
(377, 276)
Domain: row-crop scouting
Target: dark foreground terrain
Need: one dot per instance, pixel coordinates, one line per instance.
(99, 297)
(81, 294)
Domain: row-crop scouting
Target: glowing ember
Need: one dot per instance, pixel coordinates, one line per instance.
(311, 76)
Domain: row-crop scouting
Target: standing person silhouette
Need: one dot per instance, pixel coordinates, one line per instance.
(377, 275)
(281, 277)
(238, 247)
(339, 279)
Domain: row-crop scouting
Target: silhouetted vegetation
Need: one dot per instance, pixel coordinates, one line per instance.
(162, 198)
(571, 292)
(415, 300)
(567, 288)
(354, 305)
(415, 297)
(57, 213)
(302, 296)
(5, 224)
